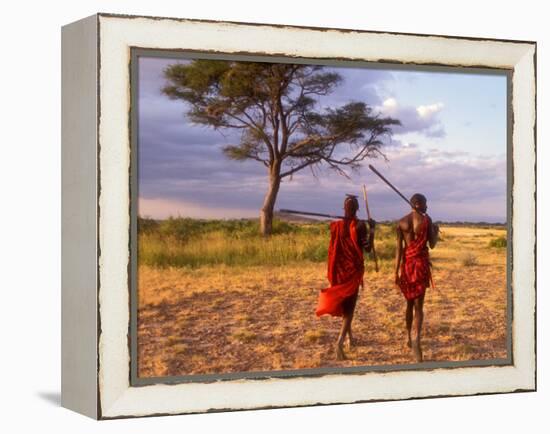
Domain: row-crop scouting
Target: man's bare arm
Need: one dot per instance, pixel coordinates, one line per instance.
(398, 252)
(370, 235)
(433, 234)
(370, 241)
(366, 237)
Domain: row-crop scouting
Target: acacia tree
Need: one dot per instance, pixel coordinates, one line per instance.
(277, 109)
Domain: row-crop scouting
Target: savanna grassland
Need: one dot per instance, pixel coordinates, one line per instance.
(215, 297)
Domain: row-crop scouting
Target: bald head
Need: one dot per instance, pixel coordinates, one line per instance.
(419, 202)
(351, 205)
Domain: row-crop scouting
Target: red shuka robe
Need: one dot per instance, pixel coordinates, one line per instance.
(345, 267)
(415, 266)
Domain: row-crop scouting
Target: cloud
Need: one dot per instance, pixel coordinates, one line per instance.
(459, 186)
(182, 169)
(164, 208)
(428, 111)
(151, 78)
(423, 119)
(359, 84)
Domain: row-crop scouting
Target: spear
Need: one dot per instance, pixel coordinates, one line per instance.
(316, 214)
(390, 184)
(371, 167)
(368, 216)
(403, 197)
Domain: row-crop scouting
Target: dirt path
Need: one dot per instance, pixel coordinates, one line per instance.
(220, 320)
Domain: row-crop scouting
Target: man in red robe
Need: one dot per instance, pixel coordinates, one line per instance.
(348, 238)
(415, 232)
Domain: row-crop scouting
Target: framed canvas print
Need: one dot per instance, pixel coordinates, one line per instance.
(262, 216)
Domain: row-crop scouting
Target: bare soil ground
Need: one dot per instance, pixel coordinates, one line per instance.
(215, 320)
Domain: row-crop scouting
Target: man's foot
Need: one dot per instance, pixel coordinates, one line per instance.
(409, 344)
(417, 351)
(340, 353)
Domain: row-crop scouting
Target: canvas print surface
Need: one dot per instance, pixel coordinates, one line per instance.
(293, 217)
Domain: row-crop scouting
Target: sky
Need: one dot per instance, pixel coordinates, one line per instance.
(451, 147)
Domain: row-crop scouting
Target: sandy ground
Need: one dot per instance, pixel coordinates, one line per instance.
(221, 319)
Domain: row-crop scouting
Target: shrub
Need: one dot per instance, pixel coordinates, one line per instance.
(244, 336)
(385, 250)
(468, 259)
(314, 336)
(192, 243)
(499, 242)
(147, 225)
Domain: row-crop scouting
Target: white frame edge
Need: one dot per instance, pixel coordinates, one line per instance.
(116, 35)
(79, 367)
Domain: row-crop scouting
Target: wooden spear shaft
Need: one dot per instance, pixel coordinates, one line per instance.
(371, 167)
(368, 216)
(401, 195)
(395, 189)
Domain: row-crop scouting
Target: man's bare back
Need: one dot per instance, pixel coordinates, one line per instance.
(412, 233)
(410, 225)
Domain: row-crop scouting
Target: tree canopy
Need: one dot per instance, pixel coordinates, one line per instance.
(277, 107)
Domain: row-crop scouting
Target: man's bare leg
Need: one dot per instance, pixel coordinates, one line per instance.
(418, 319)
(409, 320)
(351, 342)
(348, 307)
(350, 311)
(341, 337)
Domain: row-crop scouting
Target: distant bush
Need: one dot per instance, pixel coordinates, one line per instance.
(314, 336)
(468, 259)
(186, 228)
(498, 242)
(385, 250)
(146, 225)
(186, 242)
(244, 335)
(386, 232)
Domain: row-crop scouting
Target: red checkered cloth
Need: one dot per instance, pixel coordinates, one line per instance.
(345, 267)
(415, 267)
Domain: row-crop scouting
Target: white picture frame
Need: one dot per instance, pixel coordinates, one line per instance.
(96, 162)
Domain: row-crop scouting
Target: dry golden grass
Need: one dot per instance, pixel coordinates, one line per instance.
(218, 319)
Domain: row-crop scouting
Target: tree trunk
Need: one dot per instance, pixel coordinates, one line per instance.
(266, 213)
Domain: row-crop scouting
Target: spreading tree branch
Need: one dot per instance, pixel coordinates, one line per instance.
(276, 107)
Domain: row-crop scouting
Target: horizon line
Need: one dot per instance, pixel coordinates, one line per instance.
(321, 220)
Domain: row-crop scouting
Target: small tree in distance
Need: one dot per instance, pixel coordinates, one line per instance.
(276, 108)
